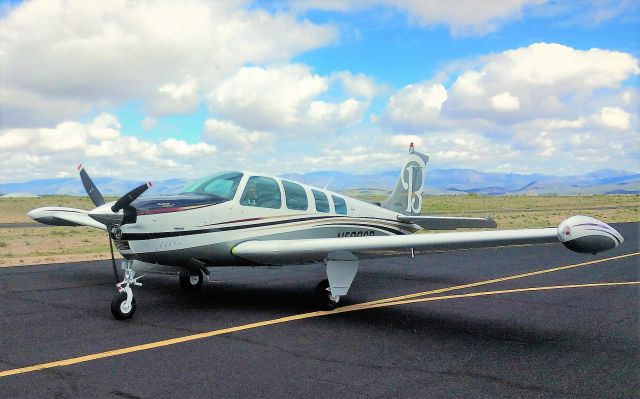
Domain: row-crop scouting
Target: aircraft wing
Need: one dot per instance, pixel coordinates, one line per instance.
(308, 250)
(61, 216)
(448, 222)
(578, 233)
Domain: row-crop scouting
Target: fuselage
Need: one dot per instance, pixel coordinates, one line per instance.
(171, 230)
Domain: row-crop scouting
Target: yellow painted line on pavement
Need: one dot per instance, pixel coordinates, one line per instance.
(497, 292)
(501, 279)
(395, 301)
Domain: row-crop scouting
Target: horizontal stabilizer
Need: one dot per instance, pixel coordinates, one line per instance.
(448, 222)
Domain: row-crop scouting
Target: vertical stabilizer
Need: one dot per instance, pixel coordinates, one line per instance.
(406, 197)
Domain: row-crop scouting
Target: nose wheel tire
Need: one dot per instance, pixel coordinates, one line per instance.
(324, 299)
(119, 308)
(191, 282)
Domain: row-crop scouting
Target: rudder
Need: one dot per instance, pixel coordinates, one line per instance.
(406, 197)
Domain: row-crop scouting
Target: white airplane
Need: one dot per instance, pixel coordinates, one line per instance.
(248, 219)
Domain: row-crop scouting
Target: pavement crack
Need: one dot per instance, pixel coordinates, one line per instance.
(125, 395)
(517, 385)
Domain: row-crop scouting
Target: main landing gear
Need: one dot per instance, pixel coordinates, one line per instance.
(123, 305)
(342, 267)
(191, 281)
(324, 298)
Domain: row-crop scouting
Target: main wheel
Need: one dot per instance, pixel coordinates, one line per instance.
(119, 309)
(323, 296)
(191, 282)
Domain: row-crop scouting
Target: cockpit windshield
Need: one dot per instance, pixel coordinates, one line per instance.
(224, 185)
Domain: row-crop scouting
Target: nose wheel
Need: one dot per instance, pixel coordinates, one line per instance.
(123, 304)
(121, 309)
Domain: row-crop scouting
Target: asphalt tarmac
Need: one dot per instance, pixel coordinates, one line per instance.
(571, 340)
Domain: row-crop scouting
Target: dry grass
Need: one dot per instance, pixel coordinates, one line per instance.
(31, 245)
(512, 212)
(18, 244)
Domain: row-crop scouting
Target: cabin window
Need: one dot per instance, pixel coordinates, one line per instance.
(340, 205)
(296, 196)
(262, 192)
(322, 202)
(223, 185)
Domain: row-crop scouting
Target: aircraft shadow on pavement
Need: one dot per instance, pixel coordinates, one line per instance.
(457, 321)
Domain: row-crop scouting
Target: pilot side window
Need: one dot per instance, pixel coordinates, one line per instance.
(322, 202)
(262, 192)
(296, 196)
(340, 205)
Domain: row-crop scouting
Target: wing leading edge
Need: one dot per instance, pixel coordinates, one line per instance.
(578, 233)
(61, 216)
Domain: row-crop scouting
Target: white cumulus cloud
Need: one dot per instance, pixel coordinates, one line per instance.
(613, 117)
(281, 97)
(359, 84)
(505, 102)
(464, 17)
(264, 98)
(544, 100)
(417, 104)
(226, 134)
(543, 81)
(27, 153)
(61, 59)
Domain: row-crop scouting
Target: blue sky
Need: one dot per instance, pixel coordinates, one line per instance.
(156, 89)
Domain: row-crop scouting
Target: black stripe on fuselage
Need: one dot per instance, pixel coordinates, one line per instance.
(374, 226)
(168, 234)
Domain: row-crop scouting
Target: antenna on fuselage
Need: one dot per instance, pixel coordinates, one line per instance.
(330, 180)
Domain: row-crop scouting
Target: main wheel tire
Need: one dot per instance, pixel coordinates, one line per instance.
(323, 296)
(118, 308)
(191, 282)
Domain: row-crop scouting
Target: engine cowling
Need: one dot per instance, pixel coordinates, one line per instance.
(585, 234)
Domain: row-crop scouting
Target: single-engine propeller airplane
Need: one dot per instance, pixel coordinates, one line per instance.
(248, 219)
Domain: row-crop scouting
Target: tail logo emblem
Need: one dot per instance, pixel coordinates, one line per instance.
(414, 199)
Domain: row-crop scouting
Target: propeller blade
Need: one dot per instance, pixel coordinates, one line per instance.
(91, 188)
(129, 197)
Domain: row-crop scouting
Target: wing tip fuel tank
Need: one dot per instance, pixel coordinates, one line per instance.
(585, 234)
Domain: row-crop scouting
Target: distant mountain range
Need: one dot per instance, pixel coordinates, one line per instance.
(438, 181)
(461, 181)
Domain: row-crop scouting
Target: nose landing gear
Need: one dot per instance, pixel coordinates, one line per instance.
(123, 304)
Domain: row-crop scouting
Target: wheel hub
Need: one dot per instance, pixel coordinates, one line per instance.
(194, 279)
(125, 307)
